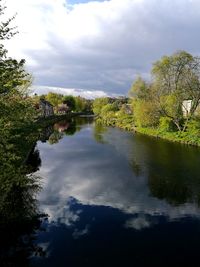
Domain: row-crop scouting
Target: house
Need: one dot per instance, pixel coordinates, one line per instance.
(186, 108)
(63, 108)
(45, 108)
(127, 109)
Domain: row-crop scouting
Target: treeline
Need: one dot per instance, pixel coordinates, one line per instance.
(167, 106)
(60, 101)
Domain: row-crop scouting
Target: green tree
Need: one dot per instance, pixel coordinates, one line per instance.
(146, 113)
(145, 110)
(176, 78)
(55, 99)
(12, 73)
(70, 101)
(15, 106)
(139, 89)
(99, 103)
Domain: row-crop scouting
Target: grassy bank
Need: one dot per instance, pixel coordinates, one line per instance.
(187, 138)
(190, 137)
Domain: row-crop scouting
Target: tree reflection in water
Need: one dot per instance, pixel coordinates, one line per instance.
(19, 214)
(20, 218)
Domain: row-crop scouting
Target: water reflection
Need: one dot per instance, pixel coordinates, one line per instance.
(107, 190)
(19, 213)
(111, 198)
(53, 133)
(123, 175)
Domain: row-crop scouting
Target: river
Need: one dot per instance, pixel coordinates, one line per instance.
(114, 198)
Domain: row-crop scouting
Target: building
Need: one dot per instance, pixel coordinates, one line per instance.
(46, 109)
(63, 109)
(186, 108)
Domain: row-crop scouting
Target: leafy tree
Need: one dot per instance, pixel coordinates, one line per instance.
(12, 73)
(139, 89)
(80, 103)
(109, 108)
(83, 104)
(99, 103)
(70, 101)
(54, 98)
(176, 78)
(146, 113)
(15, 106)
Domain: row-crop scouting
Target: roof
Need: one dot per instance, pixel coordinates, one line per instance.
(45, 102)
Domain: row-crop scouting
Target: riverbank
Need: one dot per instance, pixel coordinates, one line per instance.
(186, 138)
(126, 123)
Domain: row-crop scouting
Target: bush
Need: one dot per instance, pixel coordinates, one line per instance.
(166, 124)
(193, 127)
(146, 114)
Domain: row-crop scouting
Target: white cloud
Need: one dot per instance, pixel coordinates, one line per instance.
(100, 179)
(138, 223)
(89, 94)
(100, 44)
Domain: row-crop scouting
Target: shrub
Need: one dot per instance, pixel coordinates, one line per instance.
(166, 124)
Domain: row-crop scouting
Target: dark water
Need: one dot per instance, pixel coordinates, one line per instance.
(114, 199)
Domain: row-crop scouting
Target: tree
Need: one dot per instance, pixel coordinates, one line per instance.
(99, 103)
(139, 89)
(12, 73)
(176, 78)
(70, 101)
(54, 98)
(6, 32)
(83, 104)
(15, 106)
(145, 110)
(146, 113)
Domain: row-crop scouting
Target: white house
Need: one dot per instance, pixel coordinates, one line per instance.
(186, 108)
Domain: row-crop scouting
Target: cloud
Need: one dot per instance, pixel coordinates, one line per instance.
(106, 178)
(79, 233)
(100, 45)
(138, 223)
(89, 94)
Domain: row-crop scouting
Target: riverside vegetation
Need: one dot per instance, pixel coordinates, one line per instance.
(19, 130)
(156, 109)
(167, 107)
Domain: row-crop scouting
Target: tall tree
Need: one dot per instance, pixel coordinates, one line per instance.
(139, 89)
(15, 106)
(54, 98)
(13, 77)
(70, 101)
(99, 103)
(177, 78)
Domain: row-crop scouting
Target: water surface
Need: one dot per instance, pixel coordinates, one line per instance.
(117, 199)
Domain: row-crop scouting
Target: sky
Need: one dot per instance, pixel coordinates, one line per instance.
(99, 47)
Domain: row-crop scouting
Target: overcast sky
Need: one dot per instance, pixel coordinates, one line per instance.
(100, 45)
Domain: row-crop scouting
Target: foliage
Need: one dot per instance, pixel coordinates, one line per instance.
(139, 89)
(193, 127)
(165, 124)
(54, 98)
(15, 107)
(145, 113)
(157, 106)
(99, 103)
(70, 101)
(177, 76)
